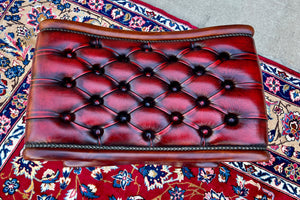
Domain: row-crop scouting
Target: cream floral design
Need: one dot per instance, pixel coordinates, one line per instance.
(24, 167)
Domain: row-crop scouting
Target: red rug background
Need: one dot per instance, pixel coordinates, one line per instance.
(23, 179)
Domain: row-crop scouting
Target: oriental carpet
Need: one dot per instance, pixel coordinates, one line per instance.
(279, 178)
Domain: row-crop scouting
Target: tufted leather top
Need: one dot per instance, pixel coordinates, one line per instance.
(150, 96)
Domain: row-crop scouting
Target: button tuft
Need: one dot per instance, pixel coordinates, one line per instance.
(122, 58)
(148, 102)
(148, 135)
(69, 53)
(231, 119)
(67, 117)
(172, 59)
(148, 71)
(97, 69)
(205, 131)
(123, 117)
(202, 101)
(96, 43)
(68, 82)
(174, 86)
(199, 70)
(146, 47)
(97, 131)
(96, 100)
(176, 118)
(196, 46)
(228, 85)
(123, 86)
(224, 56)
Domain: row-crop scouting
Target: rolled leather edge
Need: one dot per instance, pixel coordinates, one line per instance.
(55, 24)
(75, 163)
(134, 157)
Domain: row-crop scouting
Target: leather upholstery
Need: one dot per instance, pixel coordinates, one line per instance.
(106, 96)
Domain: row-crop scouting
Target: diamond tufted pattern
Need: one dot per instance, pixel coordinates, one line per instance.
(99, 90)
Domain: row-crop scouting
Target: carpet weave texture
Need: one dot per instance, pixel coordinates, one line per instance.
(279, 178)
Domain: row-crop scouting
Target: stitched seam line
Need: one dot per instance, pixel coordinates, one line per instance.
(139, 148)
(141, 40)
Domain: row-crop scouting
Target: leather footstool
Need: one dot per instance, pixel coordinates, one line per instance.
(104, 97)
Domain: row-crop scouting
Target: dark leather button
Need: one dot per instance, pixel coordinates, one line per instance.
(202, 101)
(69, 53)
(97, 131)
(172, 59)
(174, 86)
(123, 86)
(123, 117)
(149, 102)
(96, 43)
(123, 58)
(231, 119)
(67, 117)
(148, 71)
(199, 70)
(148, 135)
(96, 100)
(228, 85)
(205, 131)
(146, 47)
(68, 82)
(196, 46)
(224, 56)
(176, 118)
(98, 70)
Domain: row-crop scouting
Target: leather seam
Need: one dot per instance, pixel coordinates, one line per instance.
(142, 40)
(40, 145)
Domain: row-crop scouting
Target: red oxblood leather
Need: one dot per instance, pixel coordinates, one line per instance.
(104, 96)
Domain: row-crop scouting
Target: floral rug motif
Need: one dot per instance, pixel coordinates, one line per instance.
(279, 178)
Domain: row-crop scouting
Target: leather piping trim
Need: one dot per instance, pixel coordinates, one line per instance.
(139, 148)
(142, 40)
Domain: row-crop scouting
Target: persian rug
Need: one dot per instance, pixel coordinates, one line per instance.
(279, 178)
